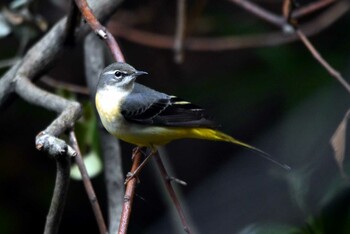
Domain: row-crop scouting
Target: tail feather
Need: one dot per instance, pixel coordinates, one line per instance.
(211, 134)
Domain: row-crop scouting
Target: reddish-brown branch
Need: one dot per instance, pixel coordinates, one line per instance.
(129, 193)
(100, 30)
(114, 48)
(171, 191)
(88, 185)
(322, 61)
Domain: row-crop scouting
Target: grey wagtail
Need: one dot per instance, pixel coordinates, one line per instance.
(144, 117)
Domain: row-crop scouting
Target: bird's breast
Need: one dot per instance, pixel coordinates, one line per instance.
(108, 104)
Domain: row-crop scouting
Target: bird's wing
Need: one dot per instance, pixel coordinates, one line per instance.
(147, 106)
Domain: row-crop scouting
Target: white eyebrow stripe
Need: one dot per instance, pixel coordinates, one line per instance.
(110, 72)
(114, 71)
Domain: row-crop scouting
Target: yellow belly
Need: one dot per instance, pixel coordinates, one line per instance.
(150, 136)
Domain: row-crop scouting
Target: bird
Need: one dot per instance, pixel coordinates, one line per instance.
(145, 117)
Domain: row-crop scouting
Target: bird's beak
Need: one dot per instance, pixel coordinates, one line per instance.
(139, 73)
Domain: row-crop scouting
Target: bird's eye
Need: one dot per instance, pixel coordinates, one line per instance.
(118, 74)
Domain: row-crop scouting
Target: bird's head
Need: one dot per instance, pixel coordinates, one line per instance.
(119, 75)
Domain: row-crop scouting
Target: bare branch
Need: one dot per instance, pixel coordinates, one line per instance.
(314, 6)
(42, 55)
(261, 12)
(129, 193)
(88, 185)
(100, 30)
(171, 191)
(69, 112)
(60, 192)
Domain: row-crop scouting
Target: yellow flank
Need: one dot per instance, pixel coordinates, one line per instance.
(143, 135)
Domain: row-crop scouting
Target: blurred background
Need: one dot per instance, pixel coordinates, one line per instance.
(277, 98)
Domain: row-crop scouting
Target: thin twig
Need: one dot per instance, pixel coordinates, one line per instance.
(261, 12)
(59, 196)
(57, 84)
(180, 31)
(314, 6)
(88, 185)
(100, 30)
(129, 193)
(333, 72)
(171, 191)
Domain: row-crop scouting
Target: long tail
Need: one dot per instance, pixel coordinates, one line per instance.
(211, 134)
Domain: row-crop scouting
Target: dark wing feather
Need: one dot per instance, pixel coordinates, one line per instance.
(147, 106)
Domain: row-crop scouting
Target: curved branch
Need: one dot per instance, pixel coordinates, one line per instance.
(60, 192)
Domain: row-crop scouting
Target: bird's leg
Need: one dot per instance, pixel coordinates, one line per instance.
(131, 175)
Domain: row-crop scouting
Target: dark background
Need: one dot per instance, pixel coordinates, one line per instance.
(278, 99)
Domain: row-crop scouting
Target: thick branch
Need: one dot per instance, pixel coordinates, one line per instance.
(42, 55)
(60, 192)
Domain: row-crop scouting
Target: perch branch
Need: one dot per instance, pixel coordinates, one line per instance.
(167, 180)
(88, 185)
(129, 193)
